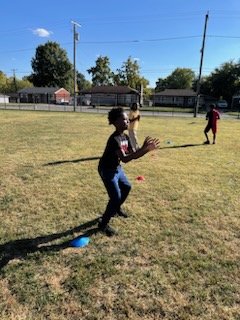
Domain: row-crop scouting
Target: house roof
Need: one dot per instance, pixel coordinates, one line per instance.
(39, 90)
(12, 95)
(177, 93)
(110, 90)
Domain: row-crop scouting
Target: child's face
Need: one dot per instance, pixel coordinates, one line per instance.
(122, 122)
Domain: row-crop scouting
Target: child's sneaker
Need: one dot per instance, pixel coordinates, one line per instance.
(107, 229)
(206, 142)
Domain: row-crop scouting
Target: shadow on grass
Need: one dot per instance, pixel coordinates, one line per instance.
(183, 146)
(70, 161)
(19, 249)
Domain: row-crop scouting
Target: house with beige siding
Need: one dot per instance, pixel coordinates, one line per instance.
(108, 96)
(175, 97)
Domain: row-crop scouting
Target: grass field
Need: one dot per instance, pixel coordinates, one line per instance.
(176, 257)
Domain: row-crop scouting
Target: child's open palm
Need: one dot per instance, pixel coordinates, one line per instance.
(151, 144)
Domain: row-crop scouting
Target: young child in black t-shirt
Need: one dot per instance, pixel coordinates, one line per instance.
(118, 149)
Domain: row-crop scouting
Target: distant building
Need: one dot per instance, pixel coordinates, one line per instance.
(13, 97)
(236, 101)
(175, 97)
(44, 95)
(4, 98)
(108, 96)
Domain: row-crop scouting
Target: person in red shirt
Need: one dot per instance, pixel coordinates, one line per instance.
(118, 149)
(212, 116)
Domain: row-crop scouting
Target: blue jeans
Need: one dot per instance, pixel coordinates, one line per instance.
(118, 188)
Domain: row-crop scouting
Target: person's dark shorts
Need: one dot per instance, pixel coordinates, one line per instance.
(208, 127)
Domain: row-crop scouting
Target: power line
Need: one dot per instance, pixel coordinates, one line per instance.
(159, 39)
(227, 37)
(138, 40)
(131, 41)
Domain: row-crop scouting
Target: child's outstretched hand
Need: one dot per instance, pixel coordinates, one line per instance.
(151, 144)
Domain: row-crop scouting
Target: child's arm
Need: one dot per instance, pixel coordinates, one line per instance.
(134, 119)
(148, 145)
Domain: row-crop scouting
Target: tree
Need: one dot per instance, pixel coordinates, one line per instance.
(129, 75)
(161, 85)
(180, 78)
(3, 82)
(51, 67)
(82, 83)
(222, 82)
(20, 84)
(12, 84)
(101, 73)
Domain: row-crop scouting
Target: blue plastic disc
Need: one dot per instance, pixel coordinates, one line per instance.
(80, 242)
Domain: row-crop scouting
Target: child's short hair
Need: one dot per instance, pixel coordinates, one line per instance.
(114, 114)
(134, 106)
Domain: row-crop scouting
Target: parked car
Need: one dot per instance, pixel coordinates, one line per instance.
(62, 102)
(222, 104)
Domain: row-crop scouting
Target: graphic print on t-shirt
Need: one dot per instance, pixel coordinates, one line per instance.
(124, 145)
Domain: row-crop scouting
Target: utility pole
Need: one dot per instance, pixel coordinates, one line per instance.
(14, 79)
(200, 69)
(75, 39)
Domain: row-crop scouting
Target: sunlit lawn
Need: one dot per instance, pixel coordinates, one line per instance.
(176, 257)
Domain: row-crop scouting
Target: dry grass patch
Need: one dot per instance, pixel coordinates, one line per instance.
(176, 257)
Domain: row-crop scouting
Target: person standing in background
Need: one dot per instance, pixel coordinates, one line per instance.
(212, 116)
(134, 118)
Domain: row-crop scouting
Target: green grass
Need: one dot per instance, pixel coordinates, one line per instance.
(176, 257)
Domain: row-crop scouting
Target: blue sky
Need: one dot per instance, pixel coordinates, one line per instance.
(161, 35)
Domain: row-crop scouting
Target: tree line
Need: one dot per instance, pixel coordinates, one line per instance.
(52, 68)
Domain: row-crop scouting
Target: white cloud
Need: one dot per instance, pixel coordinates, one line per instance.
(43, 33)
